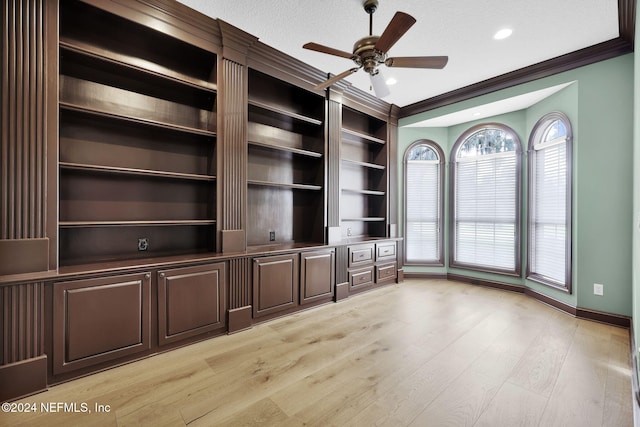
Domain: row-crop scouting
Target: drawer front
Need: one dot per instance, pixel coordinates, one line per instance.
(362, 277)
(386, 272)
(385, 251)
(360, 255)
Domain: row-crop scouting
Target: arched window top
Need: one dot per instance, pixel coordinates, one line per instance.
(553, 128)
(486, 140)
(423, 151)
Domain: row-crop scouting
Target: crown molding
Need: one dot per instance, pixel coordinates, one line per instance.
(621, 45)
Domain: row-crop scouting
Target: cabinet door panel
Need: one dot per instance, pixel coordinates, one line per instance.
(275, 283)
(317, 275)
(191, 301)
(98, 320)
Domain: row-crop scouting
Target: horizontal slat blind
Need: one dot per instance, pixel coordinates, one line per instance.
(485, 211)
(549, 212)
(423, 211)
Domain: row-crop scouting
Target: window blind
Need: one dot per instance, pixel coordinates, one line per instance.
(423, 211)
(485, 211)
(549, 213)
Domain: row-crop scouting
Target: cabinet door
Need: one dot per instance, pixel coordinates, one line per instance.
(191, 301)
(316, 275)
(98, 320)
(275, 284)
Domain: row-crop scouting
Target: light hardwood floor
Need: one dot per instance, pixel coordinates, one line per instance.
(422, 353)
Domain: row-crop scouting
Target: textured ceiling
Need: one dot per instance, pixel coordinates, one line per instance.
(463, 30)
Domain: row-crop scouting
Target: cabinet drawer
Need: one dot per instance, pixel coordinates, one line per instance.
(360, 255)
(361, 277)
(386, 272)
(385, 251)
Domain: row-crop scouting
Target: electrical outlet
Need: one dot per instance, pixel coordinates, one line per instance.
(143, 243)
(598, 289)
(272, 236)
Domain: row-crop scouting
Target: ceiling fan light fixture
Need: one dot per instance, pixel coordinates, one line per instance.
(503, 34)
(391, 81)
(370, 52)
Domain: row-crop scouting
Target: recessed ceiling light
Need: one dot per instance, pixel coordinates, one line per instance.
(503, 34)
(476, 114)
(391, 81)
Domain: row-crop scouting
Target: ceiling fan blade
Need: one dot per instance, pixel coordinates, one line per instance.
(418, 62)
(334, 79)
(379, 85)
(400, 24)
(325, 49)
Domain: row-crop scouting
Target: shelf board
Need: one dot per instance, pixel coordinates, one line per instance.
(282, 111)
(361, 135)
(285, 185)
(157, 223)
(364, 219)
(134, 171)
(364, 164)
(273, 146)
(365, 192)
(135, 64)
(135, 120)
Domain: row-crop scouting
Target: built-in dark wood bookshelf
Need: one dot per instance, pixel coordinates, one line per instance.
(363, 175)
(286, 163)
(137, 152)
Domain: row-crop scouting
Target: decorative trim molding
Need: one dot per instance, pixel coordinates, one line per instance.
(434, 276)
(581, 313)
(635, 388)
(599, 316)
(23, 378)
(239, 319)
(596, 53)
(342, 291)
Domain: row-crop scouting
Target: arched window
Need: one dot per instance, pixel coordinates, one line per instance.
(423, 203)
(485, 201)
(549, 230)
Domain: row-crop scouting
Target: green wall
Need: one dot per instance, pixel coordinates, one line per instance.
(636, 193)
(599, 103)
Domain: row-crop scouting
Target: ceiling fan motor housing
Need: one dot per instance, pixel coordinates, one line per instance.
(367, 56)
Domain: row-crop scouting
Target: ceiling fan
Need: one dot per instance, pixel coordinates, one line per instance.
(371, 51)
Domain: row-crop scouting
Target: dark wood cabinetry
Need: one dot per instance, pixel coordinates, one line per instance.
(363, 175)
(275, 284)
(137, 147)
(286, 163)
(370, 264)
(161, 133)
(100, 320)
(317, 276)
(191, 301)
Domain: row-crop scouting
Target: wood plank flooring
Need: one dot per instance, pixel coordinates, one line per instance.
(422, 353)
